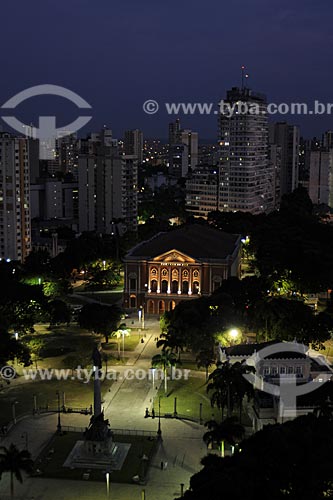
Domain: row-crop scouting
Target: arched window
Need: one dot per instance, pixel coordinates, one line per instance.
(161, 307)
(185, 274)
(164, 287)
(132, 281)
(150, 307)
(153, 286)
(174, 287)
(196, 273)
(132, 301)
(195, 287)
(164, 272)
(185, 287)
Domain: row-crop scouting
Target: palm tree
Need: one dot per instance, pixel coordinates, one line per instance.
(219, 382)
(205, 358)
(163, 360)
(241, 387)
(172, 339)
(14, 461)
(228, 385)
(229, 431)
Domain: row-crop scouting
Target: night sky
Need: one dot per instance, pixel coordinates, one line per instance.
(118, 54)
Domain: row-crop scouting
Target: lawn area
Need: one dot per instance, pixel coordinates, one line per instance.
(51, 464)
(60, 342)
(130, 343)
(77, 395)
(63, 341)
(189, 393)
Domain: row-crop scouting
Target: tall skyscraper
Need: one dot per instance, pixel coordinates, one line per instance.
(183, 150)
(68, 154)
(320, 177)
(287, 137)
(202, 190)
(246, 180)
(275, 164)
(15, 224)
(327, 140)
(107, 188)
(52, 198)
(174, 130)
(190, 139)
(133, 144)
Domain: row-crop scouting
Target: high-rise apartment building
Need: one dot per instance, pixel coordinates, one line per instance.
(190, 139)
(15, 224)
(183, 150)
(321, 177)
(133, 144)
(275, 165)
(246, 181)
(327, 140)
(52, 198)
(287, 137)
(174, 132)
(202, 190)
(108, 184)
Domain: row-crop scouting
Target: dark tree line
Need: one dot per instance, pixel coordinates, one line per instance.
(245, 304)
(294, 242)
(292, 461)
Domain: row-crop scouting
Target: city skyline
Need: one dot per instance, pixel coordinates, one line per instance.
(166, 234)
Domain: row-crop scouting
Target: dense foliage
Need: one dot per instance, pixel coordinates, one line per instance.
(290, 461)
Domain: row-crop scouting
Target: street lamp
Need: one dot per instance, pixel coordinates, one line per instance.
(122, 333)
(59, 422)
(153, 377)
(107, 477)
(141, 314)
(234, 333)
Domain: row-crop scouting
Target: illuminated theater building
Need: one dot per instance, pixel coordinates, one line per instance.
(186, 263)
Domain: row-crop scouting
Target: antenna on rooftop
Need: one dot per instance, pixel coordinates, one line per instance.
(243, 75)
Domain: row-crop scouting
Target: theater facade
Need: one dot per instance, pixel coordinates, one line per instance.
(182, 264)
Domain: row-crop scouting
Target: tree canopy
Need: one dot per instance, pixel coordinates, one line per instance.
(290, 461)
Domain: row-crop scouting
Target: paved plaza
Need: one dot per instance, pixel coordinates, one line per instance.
(124, 405)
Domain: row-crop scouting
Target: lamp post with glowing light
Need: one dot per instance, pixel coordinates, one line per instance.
(107, 477)
(141, 314)
(122, 333)
(233, 334)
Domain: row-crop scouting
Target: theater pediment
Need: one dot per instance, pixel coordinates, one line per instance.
(174, 256)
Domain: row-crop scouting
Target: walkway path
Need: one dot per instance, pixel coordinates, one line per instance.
(182, 446)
